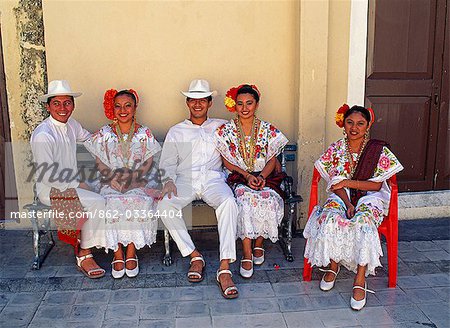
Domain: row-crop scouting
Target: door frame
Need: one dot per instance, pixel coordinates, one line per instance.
(357, 52)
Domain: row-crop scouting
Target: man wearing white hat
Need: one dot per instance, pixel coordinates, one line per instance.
(192, 169)
(54, 144)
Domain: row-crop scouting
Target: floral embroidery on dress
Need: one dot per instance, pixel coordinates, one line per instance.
(269, 143)
(330, 234)
(260, 212)
(386, 164)
(130, 216)
(105, 145)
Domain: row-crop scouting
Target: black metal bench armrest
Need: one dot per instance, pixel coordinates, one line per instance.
(36, 206)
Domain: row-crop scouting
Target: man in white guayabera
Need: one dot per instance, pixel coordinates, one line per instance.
(193, 170)
(54, 144)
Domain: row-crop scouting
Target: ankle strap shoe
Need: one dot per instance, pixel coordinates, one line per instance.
(358, 305)
(328, 285)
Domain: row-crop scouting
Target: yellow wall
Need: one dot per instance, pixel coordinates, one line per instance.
(295, 51)
(338, 58)
(157, 47)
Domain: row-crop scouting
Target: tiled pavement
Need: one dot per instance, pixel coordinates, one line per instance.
(58, 295)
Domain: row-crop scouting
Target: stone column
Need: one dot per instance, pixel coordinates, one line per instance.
(22, 31)
(313, 70)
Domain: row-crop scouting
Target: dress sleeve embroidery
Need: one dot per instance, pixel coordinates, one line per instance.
(227, 144)
(333, 165)
(387, 166)
(276, 140)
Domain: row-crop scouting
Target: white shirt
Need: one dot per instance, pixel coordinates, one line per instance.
(189, 150)
(56, 142)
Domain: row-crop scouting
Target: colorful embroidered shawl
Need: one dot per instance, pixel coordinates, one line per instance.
(334, 167)
(367, 164)
(68, 218)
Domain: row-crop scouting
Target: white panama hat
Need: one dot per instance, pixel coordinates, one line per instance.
(199, 89)
(59, 88)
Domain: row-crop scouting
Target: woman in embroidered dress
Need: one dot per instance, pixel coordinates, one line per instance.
(124, 153)
(344, 230)
(249, 147)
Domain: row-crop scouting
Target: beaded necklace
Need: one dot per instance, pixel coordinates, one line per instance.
(354, 163)
(248, 156)
(125, 145)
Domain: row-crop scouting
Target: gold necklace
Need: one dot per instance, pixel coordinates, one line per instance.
(354, 164)
(249, 157)
(125, 145)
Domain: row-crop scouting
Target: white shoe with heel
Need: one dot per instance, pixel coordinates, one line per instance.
(117, 274)
(131, 273)
(328, 285)
(258, 260)
(358, 305)
(244, 272)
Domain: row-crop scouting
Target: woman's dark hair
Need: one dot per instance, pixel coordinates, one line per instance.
(358, 109)
(126, 93)
(248, 89)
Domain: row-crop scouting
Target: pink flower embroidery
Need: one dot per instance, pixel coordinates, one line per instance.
(265, 194)
(239, 192)
(327, 155)
(343, 222)
(147, 132)
(384, 162)
(333, 172)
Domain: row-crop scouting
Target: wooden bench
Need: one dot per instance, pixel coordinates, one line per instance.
(43, 240)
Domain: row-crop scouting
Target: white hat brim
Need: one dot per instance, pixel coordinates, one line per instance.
(199, 95)
(46, 96)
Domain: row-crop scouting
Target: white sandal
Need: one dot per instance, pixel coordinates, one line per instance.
(328, 285)
(198, 275)
(358, 305)
(258, 260)
(225, 293)
(89, 274)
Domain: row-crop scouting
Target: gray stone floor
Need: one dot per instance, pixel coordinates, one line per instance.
(57, 295)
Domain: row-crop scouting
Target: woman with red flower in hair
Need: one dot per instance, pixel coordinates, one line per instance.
(344, 230)
(249, 147)
(124, 153)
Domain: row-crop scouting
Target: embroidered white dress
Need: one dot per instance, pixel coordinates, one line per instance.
(330, 234)
(129, 216)
(260, 211)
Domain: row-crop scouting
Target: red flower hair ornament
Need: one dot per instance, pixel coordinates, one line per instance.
(341, 113)
(372, 116)
(230, 98)
(108, 101)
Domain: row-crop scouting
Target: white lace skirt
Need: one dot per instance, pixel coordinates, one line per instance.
(130, 218)
(260, 213)
(350, 242)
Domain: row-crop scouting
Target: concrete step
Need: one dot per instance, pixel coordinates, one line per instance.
(424, 205)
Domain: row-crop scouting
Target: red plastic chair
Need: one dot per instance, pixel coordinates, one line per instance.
(388, 228)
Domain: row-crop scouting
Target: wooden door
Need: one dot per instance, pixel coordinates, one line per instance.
(404, 81)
